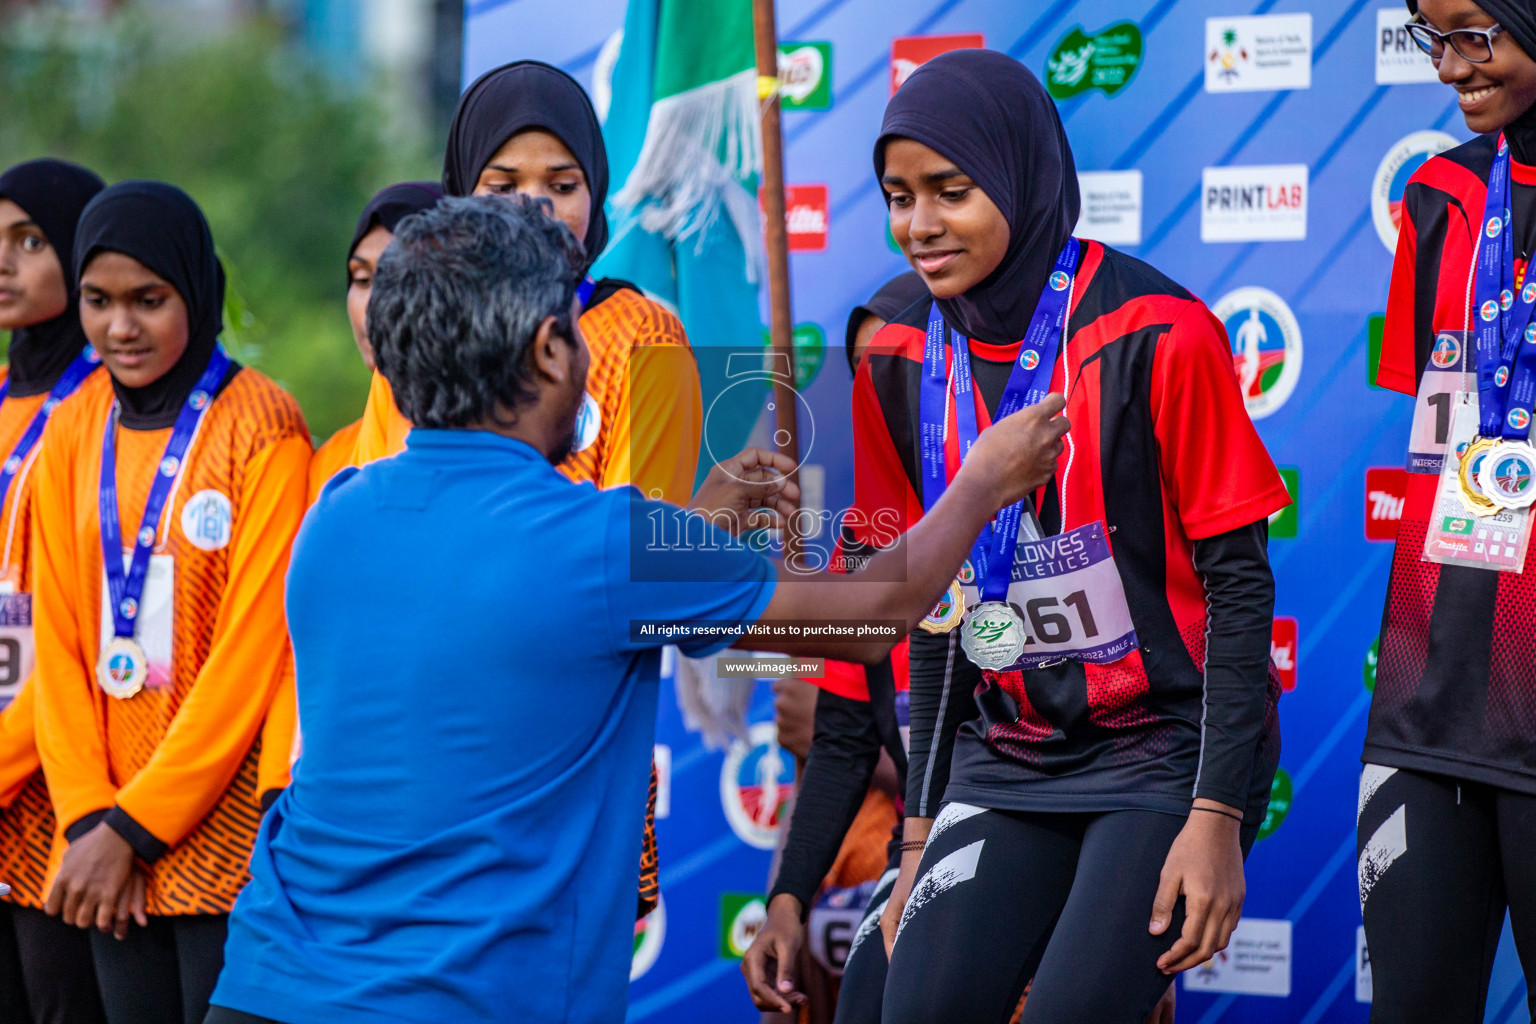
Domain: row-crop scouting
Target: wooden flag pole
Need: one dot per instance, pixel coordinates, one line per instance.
(786, 402)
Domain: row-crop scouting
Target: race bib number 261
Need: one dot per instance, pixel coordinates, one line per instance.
(1068, 591)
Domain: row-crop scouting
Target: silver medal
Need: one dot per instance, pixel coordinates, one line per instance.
(993, 635)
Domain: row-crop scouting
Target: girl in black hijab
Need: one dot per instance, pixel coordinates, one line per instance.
(1104, 778)
(46, 973)
(147, 730)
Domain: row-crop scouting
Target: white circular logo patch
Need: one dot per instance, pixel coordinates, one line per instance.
(207, 520)
(589, 422)
(1266, 346)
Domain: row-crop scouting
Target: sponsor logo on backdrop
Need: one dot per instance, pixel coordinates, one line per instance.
(1280, 791)
(1369, 672)
(1282, 651)
(1392, 175)
(911, 52)
(650, 934)
(1263, 53)
(805, 76)
(1106, 60)
(810, 344)
(1257, 962)
(1386, 488)
(742, 916)
(1111, 207)
(805, 217)
(756, 782)
(1266, 346)
(1399, 61)
(1376, 328)
(1285, 523)
(1253, 204)
(1363, 989)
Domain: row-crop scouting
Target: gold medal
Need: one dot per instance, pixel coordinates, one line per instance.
(946, 615)
(122, 668)
(1471, 492)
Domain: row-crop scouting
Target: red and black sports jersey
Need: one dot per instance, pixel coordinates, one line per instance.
(1456, 673)
(1163, 453)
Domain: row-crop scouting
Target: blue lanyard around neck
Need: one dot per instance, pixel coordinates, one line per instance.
(584, 291)
(66, 385)
(127, 588)
(1506, 368)
(1028, 382)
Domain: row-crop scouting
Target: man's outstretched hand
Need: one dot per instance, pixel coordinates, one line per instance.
(751, 488)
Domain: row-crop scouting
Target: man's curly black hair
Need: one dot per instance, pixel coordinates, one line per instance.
(457, 298)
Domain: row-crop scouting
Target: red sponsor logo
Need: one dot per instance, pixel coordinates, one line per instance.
(1386, 488)
(911, 52)
(805, 217)
(1282, 651)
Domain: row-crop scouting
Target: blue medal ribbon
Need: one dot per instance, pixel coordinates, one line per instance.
(1505, 331)
(126, 588)
(584, 291)
(1028, 383)
(74, 376)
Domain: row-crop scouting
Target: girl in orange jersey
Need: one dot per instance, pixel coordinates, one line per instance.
(46, 974)
(165, 510)
(375, 228)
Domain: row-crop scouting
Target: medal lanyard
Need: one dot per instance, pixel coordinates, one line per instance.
(1506, 369)
(1028, 382)
(584, 291)
(74, 376)
(126, 588)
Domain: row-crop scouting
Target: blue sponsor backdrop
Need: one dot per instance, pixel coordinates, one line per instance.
(1332, 427)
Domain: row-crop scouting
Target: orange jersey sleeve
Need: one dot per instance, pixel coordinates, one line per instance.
(279, 737)
(335, 455)
(18, 745)
(220, 717)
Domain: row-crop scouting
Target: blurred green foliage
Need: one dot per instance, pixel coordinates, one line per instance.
(281, 156)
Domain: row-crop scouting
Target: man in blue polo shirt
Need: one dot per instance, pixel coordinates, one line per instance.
(461, 837)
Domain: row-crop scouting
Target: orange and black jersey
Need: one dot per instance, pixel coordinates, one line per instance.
(174, 768)
(1163, 453)
(27, 822)
(1456, 671)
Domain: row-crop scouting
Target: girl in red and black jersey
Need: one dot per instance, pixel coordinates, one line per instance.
(1447, 808)
(1117, 637)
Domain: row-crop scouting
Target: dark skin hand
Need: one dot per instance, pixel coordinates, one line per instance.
(769, 965)
(1205, 864)
(97, 884)
(794, 712)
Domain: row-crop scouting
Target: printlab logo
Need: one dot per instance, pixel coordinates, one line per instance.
(742, 916)
(756, 783)
(1282, 651)
(1266, 346)
(1252, 204)
(1399, 61)
(650, 934)
(805, 76)
(1392, 174)
(1263, 53)
(911, 52)
(1386, 489)
(1106, 60)
(805, 217)
(1285, 524)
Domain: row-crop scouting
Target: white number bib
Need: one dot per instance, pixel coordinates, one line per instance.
(155, 625)
(1068, 592)
(18, 652)
(1444, 375)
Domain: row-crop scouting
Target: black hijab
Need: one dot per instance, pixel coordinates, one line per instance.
(392, 205)
(52, 193)
(893, 297)
(160, 226)
(993, 118)
(516, 97)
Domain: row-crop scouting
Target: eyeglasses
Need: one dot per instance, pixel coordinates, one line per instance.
(1473, 44)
